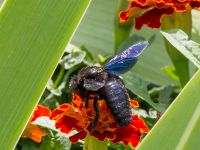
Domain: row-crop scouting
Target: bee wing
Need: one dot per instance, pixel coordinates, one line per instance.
(126, 59)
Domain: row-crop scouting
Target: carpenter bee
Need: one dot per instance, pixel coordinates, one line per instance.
(105, 83)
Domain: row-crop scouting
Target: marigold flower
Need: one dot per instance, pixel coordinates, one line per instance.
(33, 131)
(153, 10)
(79, 118)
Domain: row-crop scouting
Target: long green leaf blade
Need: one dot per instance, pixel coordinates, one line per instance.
(33, 35)
(179, 126)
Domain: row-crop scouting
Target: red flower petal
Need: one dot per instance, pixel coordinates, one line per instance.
(66, 123)
(128, 134)
(195, 4)
(134, 9)
(139, 124)
(59, 110)
(36, 134)
(101, 136)
(41, 111)
(134, 103)
(79, 136)
(152, 18)
(33, 132)
(124, 16)
(134, 139)
(153, 10)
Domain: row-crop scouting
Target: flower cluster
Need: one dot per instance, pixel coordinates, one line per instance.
(152, 10)
(76, 117)
(33, 131)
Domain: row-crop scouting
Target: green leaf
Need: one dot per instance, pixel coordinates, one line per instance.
(153, 59)
(119, 146)
(96, 30)
(165, 95)
(91, 143)
(138, 86)
(195, 25)
(33, 37)
(55, 91)
(27, 144)
(182, 43)
(74, 57)
(55, 141)
(171, 72)
(179, 127)
(182, 20)
(89, 59)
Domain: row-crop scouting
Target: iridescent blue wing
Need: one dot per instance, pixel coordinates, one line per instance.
(126, 59)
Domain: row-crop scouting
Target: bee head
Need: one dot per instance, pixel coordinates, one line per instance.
(92, 78)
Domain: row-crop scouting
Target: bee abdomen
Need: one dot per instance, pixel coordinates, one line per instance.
(117, 100)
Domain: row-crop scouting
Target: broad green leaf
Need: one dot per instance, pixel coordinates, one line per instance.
(191, 141)
(178, 128)
(182, 20)
(182, 43)
(33, 36)
(96, 33)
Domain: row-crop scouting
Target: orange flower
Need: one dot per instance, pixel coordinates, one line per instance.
(77, 117)
(153, 10)
(33, 131)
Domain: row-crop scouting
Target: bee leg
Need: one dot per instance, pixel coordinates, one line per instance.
(96, 108)
(86, 99)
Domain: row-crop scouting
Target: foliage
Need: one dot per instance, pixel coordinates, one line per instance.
(164, 82)
(181, 41)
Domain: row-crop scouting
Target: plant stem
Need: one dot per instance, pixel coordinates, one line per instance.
(92, 143)
(122, 30)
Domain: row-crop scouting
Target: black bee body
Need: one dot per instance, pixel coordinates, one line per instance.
(104, 83)
(117, 99)
(96, 81)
